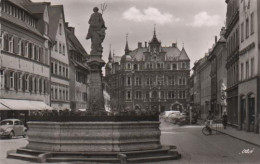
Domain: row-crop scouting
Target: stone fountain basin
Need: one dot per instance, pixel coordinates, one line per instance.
(95, 136)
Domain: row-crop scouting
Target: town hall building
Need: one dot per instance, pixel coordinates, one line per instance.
(149, 77)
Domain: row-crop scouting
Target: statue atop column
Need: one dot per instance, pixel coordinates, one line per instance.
(96, 32)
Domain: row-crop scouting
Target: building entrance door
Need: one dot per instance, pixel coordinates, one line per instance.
(243, 110)
(251, 108)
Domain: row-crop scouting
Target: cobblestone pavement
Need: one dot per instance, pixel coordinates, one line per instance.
(191, 143)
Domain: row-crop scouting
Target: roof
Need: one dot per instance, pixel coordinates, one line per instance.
(183, 55)
(74, 43)
(171, 52)
(36, 8)
(54, 14)
(20, 3)
(20, 23)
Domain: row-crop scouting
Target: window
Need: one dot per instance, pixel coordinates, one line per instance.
(60, 70)
(52, 71)
(247, 28)
(135, 67)
(128, 95)
(56, 93)
(27, 82)
(252, 23)
(149, 81)
(252, 66)
(128, 66)
(247, 70)
(180, 81)
(56, 68)
(60, 48)
(242, 32)
(12, 80)
(242, 71)
(67, 73)
(1, 79)
(137, 81)
(174, 66)
(60, 28)
(171, 94)
(56, 47)
(138, 95)
(147, 95)
(128, 81)
(63, 52)
(183, 65)
(170, 80)
(11, 48)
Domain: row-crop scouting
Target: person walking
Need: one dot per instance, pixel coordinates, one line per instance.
(224, 120)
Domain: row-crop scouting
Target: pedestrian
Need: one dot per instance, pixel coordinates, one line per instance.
(224, 120)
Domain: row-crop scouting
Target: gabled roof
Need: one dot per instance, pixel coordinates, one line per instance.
(183, 55)
(20, 23)
(54, 15)
(74, 43)
(36, 8)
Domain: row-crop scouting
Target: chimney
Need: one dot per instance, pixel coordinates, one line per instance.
(145, 44)
(216, 39)
(139, 45)
(72, 29)
(174, 44)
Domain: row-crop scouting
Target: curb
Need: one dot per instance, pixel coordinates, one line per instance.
(238, 138)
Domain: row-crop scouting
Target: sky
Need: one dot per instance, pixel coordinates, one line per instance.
(191, 23)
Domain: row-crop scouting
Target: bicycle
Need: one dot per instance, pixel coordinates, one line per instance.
(207, 130)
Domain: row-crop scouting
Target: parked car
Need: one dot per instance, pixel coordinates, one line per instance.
(12, 127)
(166, 114)
(174, 117)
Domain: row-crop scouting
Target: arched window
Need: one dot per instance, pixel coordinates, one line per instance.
(135, 67)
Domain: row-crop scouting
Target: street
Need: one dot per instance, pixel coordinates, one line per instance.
(191, 143)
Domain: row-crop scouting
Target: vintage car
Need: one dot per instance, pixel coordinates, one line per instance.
(12, 127)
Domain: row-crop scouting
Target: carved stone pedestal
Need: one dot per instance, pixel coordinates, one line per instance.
(96, 98)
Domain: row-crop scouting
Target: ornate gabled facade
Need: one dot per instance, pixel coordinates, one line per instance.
(149, 77)
(60, 96)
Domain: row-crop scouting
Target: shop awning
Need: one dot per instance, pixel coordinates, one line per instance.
(10, 104)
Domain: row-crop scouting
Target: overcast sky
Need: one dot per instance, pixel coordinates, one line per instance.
(193, 23)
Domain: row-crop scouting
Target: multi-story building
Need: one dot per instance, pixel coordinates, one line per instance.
(24, 57)
(217, 58)
(78, 71)
(204, 69)
(150, 77)
(60, 96)
(232, 44)
(196, 89)
(249, 66)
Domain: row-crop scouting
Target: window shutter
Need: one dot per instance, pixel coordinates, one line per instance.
(30, 83)
(41, 55)
(23, 83)
(16, 49)
(7, 80)
(15, 81)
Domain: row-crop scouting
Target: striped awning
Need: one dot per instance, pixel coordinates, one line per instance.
(11, 104)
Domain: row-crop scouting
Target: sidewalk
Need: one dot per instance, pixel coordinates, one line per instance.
(248, 137)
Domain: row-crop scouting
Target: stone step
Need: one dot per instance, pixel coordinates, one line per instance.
(26, 157)
(29, 151)
(70, 159)
(161, 151)
(152, 159)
